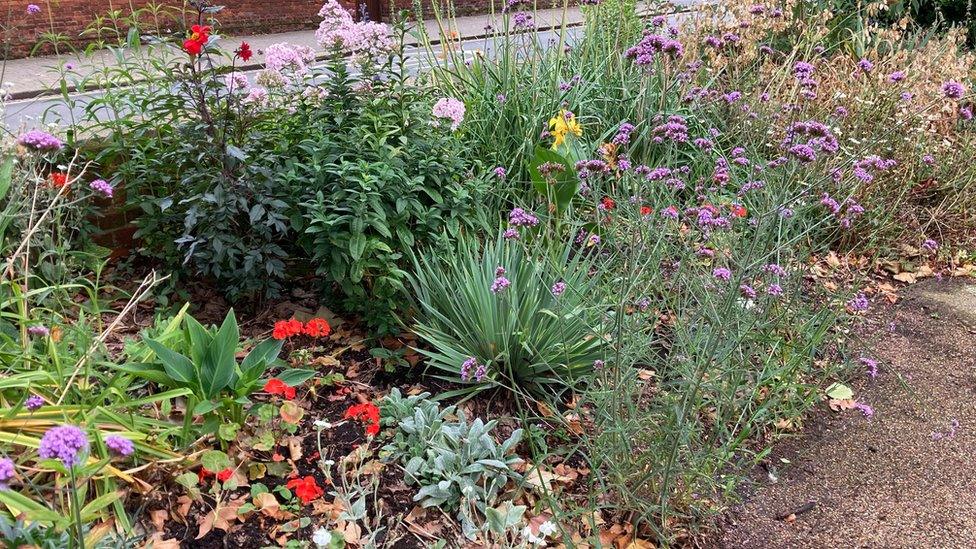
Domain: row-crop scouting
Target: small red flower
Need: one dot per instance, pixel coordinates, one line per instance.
(244, 51)
(608, 203)
(317, 327)
(224, 475)
(366, 413)
(646, 210)
(287, 328)
(275, 386)
(58, 179)
(306, 489)
(738, 210)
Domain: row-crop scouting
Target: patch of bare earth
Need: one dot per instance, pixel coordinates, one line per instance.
(903, 478)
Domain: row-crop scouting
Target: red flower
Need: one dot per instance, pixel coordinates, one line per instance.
(317, 327)
(608, 203)
(286, 328)
(646, 210)
(204, 473)
(199, 35)
(738, 210)
(306, 489)
(244, 51)
(368, 414)
(275, 386)
(58, 179)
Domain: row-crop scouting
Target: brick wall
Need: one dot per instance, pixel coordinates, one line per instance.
(20, 31)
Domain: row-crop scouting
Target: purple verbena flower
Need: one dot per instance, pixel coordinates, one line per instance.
(119, 445)
(858, 303)
(953, 90)
(466, 367)
(500, 284)
(7, 472)
(872, 366)
(102, 187)
(40, 141)
(39, 330)
(34, 403)
(558, 289)
(864, 409)
(722, 273)
(33, 9)
(66, 443)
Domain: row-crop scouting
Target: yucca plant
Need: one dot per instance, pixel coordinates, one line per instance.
(506, 316)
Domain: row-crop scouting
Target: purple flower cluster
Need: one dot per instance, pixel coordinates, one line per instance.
(66, 443)
(40, 141)
(623, 134)
(34, 403)
(558, 289)
(119, 445)
(500, 283)
(101, 187)
(523, 20)
(858, 303)
(802, 70)
(865, 65)
(953, 90)
(872, 366)
(863, 168)
(930, 245)
(33, 9)
(480, 370)
(39, 330)
(722, 273)
(650, 46)
(818, 137)
(675, 129)
(7, 472)
(521, 218)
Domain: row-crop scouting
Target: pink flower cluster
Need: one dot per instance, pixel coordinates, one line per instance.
(338, 32)
(283, 57)
(450, 108)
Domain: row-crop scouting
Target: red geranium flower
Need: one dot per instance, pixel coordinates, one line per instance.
(368, 414)
(306, 489)
(738, 210)
(244, 51)
(58, 179)
(224, 475)
(317, 327)
(275, 386)
(646, 210)
(286, 328)
(608, 203)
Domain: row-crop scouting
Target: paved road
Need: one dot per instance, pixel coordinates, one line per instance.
(35, 112)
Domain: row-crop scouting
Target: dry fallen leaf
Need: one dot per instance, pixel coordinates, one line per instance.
(157, 541)
(837, 404)
(159, 518)
(222, 518)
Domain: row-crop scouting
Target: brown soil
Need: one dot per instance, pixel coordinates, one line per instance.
(902, 478)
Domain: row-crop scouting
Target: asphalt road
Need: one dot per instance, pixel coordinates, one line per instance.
(35, 112)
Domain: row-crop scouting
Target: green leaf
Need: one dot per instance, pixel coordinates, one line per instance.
(35, 511)
(178, 367)
(215, 460)
(357, 245)
(560, 187)
(260, 357)
(839, 391)
(6, 175)
(296, 376)
(220, 364)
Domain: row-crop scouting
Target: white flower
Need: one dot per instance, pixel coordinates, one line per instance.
(322, 424)
(322, 537)
(530, 537)
(547, 528)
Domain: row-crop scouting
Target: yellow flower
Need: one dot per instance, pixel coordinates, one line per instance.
(562, 124)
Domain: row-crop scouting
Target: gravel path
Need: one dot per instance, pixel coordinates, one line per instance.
(904, 478)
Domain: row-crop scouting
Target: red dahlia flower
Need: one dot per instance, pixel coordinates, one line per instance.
(244, 51)
(199, 35)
